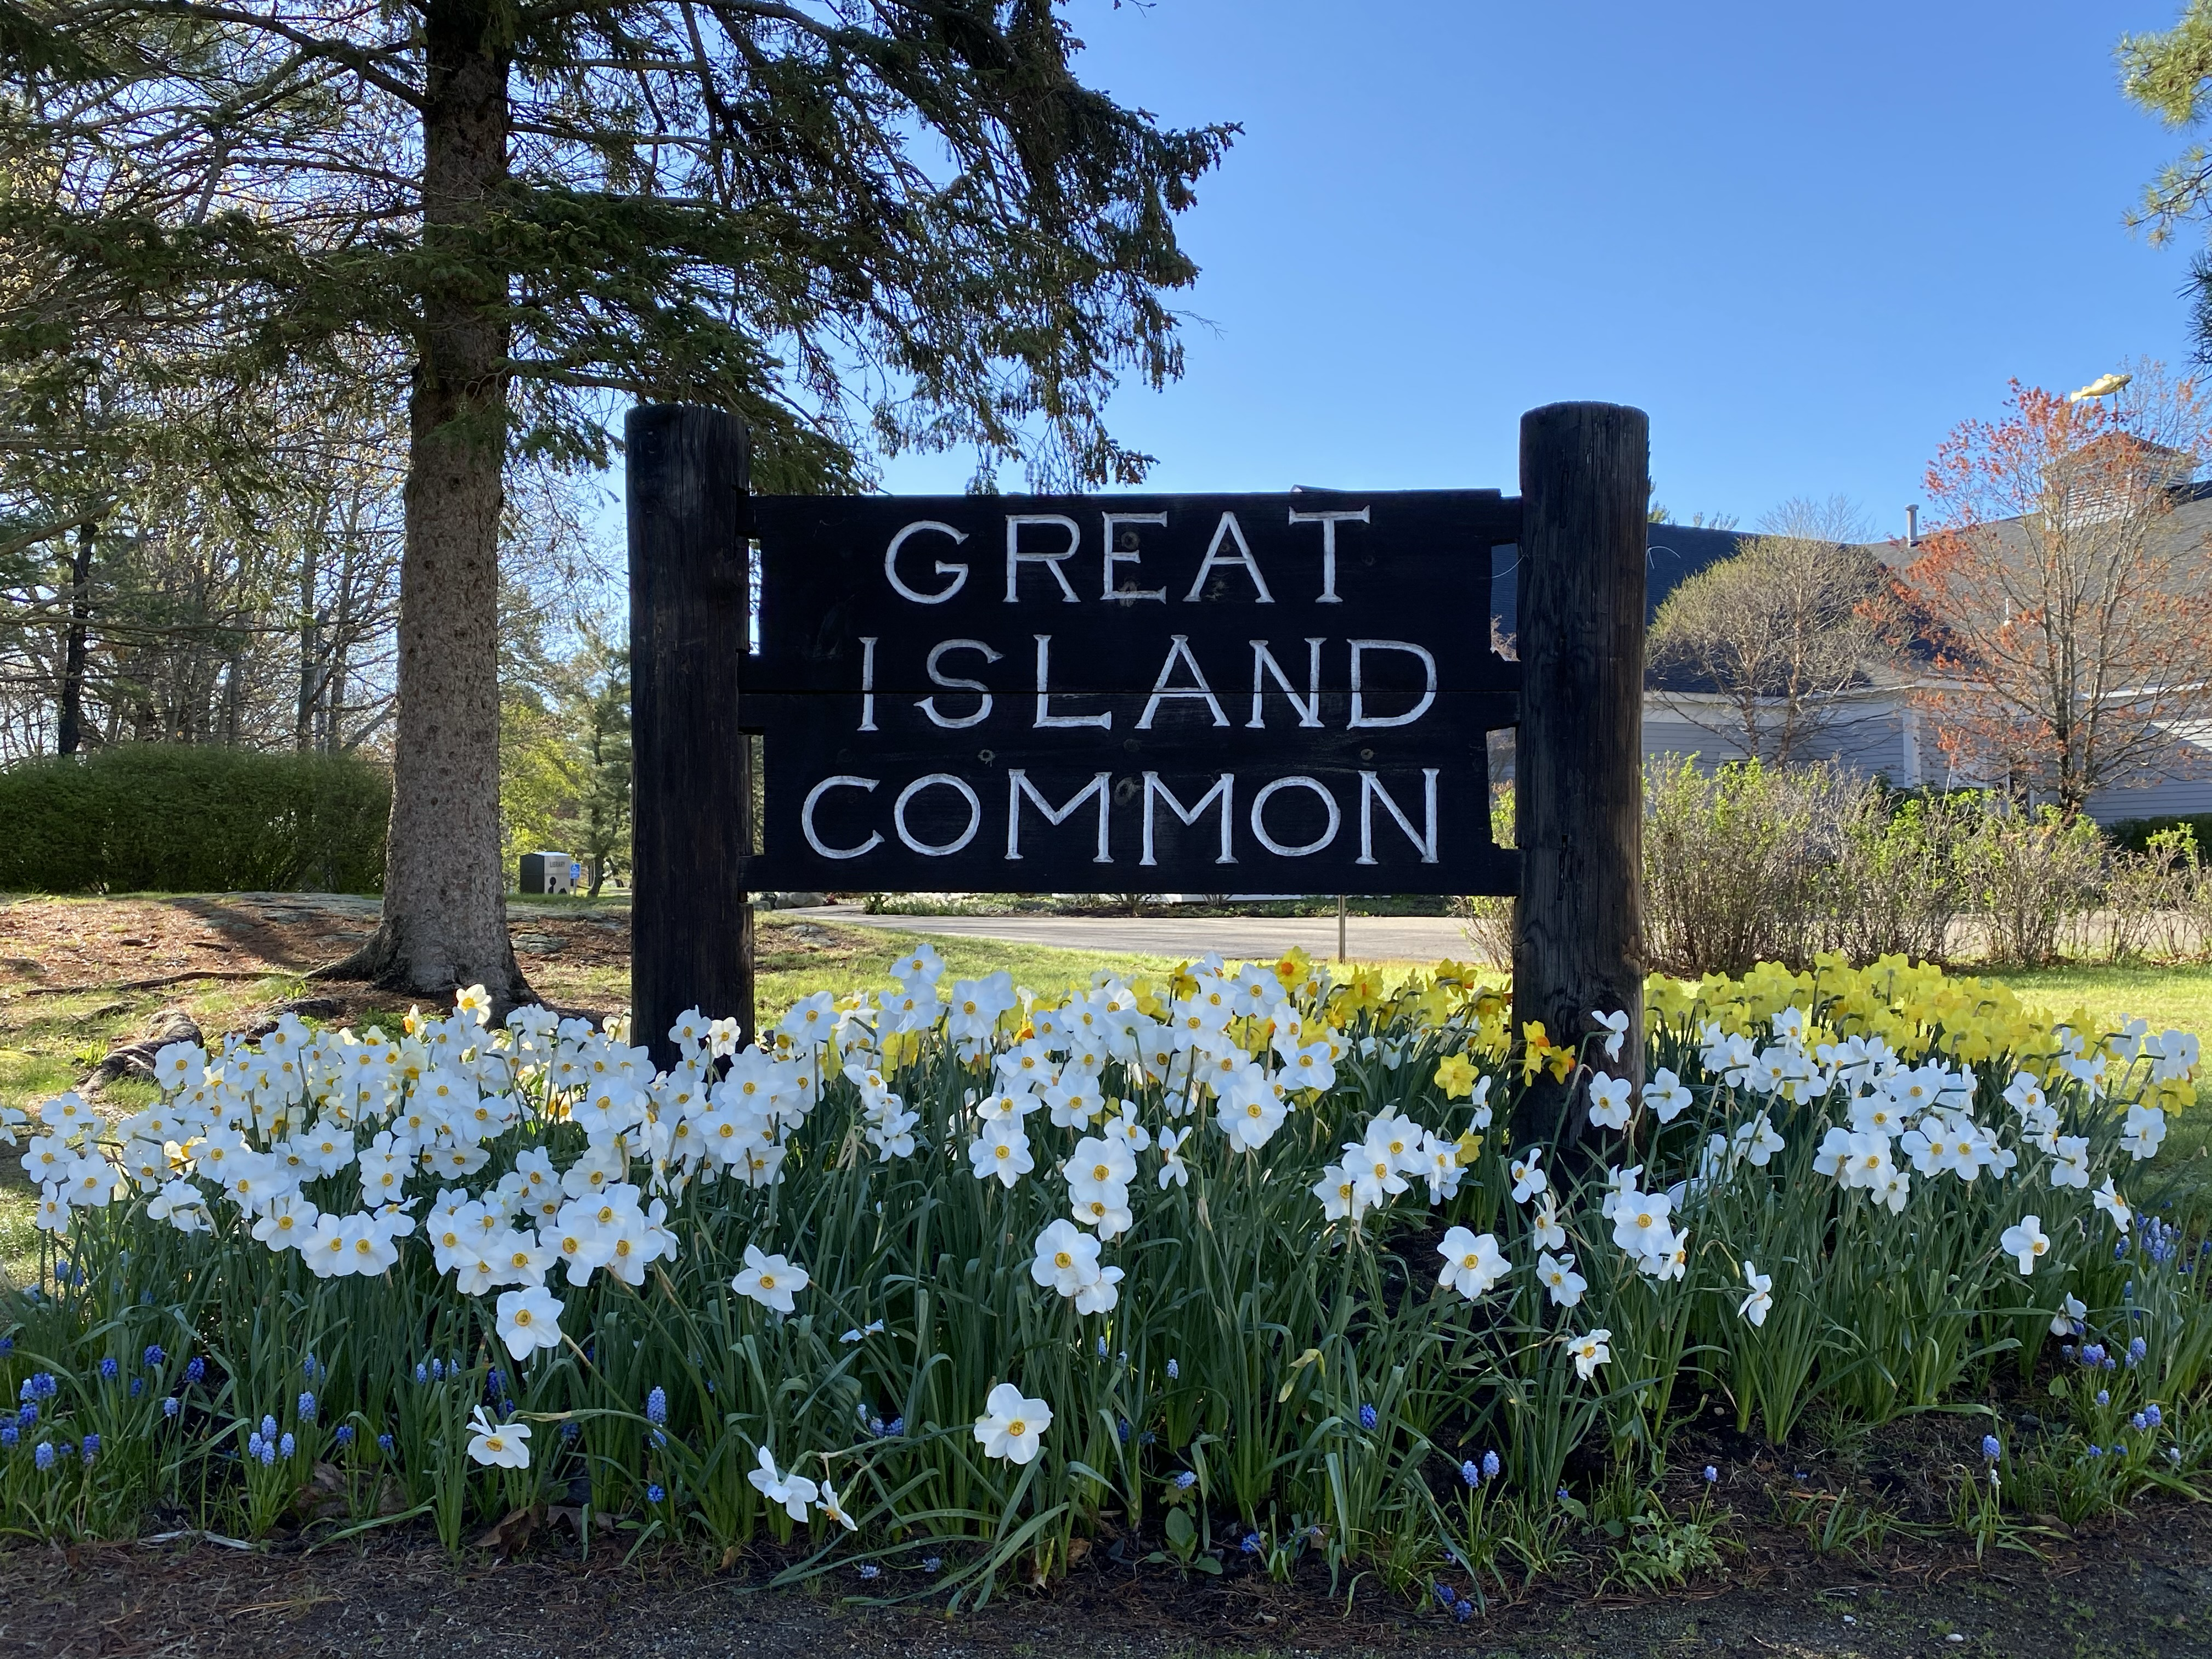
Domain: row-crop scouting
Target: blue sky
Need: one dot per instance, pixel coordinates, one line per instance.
(1808, 240)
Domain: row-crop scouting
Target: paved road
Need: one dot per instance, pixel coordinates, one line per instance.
(1367, 938)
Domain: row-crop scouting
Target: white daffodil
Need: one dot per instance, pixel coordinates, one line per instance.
(1101, 1294)
(1544, 1228)
(771, 1280)
(498, 1446)
(2107, 1199)
(1666, 1097)
(794, 1492)
(2025, 1242)
(1559, 1280)
(529, 1320)
(288, 1220)
(1001, 1151)
(2144, 1133)
(835, 1509)
(2069, 1163)
(1472, 1263)
(1590, 1351)
(1250, 1115)
(522, 1259)
(1339, 1193)
(1758, 1141)
(1172, 1167)
(1012, 1425)
(1611, 1100)
(2068, 1321)
(1758, 1298)
(1615, 1027)
(1528, 1176)
(1641, 1225)
(1100, 1167)
(1066, 1259)
(1440, 1167)
(1121, 1124)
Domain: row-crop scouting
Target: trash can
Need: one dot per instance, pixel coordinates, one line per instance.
(548, 872)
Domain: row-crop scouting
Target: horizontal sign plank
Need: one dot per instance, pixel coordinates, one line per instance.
(905, 592)
(1279, 810)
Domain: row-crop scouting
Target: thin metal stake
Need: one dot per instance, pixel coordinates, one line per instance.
(1340, 927)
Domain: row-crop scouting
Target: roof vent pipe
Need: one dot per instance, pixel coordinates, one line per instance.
(1912, 526)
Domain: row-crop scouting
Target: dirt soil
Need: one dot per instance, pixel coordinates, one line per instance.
(2141, 1588)
(58, 946)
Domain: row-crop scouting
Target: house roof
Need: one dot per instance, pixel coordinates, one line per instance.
(1672, 551)
(1678, 551)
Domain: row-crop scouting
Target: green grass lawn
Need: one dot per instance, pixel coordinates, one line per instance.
(2176, 997)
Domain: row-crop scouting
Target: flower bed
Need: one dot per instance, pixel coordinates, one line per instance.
(946, 1277)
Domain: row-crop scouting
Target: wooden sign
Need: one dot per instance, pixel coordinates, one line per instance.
(1130, 693)
(1133, 694)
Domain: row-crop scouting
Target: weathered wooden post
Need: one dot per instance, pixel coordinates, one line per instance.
(1578, 923)
(691, 929)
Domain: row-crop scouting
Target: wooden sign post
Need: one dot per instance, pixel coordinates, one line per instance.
(1578, 756)
(1136, 694)
(691, 921)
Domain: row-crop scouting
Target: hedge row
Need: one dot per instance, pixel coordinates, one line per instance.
(181, 818)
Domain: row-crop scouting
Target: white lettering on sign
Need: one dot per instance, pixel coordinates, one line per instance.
(1045, 717)
(1264, 664)
(867, 682)
(958, 572)
(1179, 651)
(1259, 821)
(1219, 797)
(1371, 790)
(1269, 679)
(1360, 719)
(1016, 558)
(1019, 784)
(814, 799)
(952, 683)
(1228, 549)
(1128, 595)
(1228, 530)
(1328, 522)
(1224, 790)
(930, 849)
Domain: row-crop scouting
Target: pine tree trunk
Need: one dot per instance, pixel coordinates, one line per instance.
(71, 735)
(303, 716)
(445, 893)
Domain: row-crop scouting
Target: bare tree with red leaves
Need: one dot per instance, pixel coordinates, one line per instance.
(2066, 594)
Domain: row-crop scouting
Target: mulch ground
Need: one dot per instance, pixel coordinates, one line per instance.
(2143, 1588)
(51, 947)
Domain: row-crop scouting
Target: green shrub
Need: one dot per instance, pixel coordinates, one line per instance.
(1735, 861)
(182, 818)
(1749, 864)
(2135, 835)
(2035, 874)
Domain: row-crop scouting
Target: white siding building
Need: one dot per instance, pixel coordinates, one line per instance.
(1876, 730)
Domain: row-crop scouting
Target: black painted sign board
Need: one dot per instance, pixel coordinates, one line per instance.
(1286, 693)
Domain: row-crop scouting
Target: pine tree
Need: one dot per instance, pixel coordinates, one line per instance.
(887, 222)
